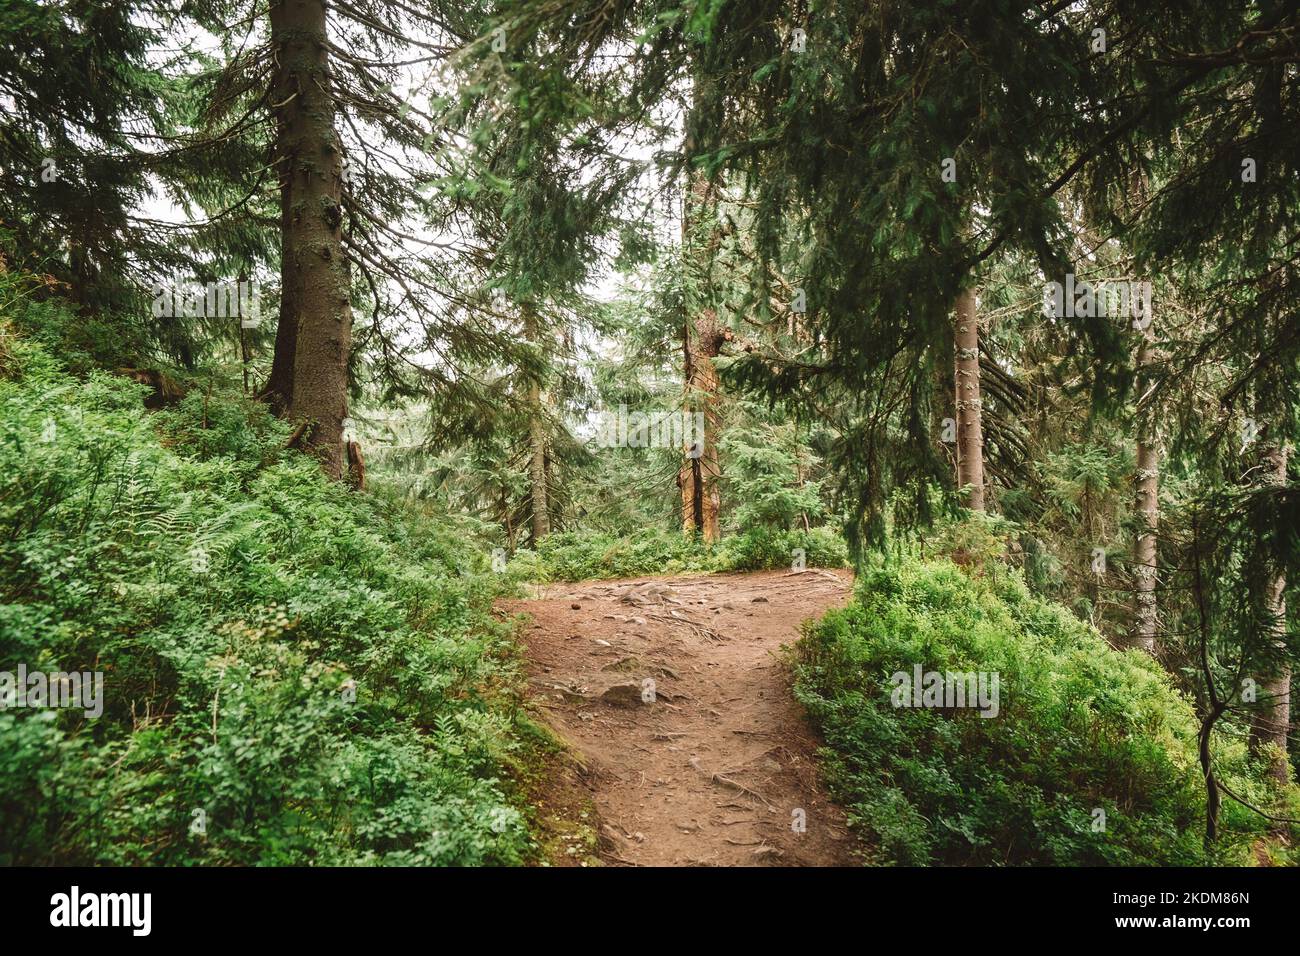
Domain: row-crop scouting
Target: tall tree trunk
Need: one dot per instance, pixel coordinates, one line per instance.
(970, 425)
(536, 441)
(1143, 634)
(537, 464)
(701, 342)
(1272, 722)
(701, 499)
(278, 390)
(318, 289)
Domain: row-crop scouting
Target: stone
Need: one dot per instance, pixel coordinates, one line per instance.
(623, 695)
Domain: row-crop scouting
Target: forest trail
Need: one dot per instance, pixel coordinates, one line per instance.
(710, 764)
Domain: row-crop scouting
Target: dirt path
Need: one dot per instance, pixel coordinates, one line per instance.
(712, 763)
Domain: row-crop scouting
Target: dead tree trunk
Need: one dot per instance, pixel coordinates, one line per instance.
(970, 425)
(309, 153)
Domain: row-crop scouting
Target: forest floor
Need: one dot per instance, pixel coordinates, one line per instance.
(674, 700)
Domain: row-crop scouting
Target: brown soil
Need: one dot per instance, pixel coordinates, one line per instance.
(674, 698)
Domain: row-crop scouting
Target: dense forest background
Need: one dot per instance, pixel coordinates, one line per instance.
(323, 325)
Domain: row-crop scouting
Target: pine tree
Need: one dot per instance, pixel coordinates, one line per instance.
(317, 277)
(82, 100)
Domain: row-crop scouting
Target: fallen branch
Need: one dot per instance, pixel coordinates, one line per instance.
(296, 438)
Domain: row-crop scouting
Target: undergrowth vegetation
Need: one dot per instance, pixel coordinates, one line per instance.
(292, 673)
(1091, 758)
(577, 555)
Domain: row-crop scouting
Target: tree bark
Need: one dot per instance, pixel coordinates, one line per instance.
(356, 466)
(1143, 635)
(970, 426)
(701, 342)
(537, 464)
(536, 442)
(314, 271)
(700, 474)
(1212, 797)
(1272, 722)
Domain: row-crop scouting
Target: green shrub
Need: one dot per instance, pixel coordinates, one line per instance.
(761, 550)
(228, 593)
(1080, 730)
(578, 556)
